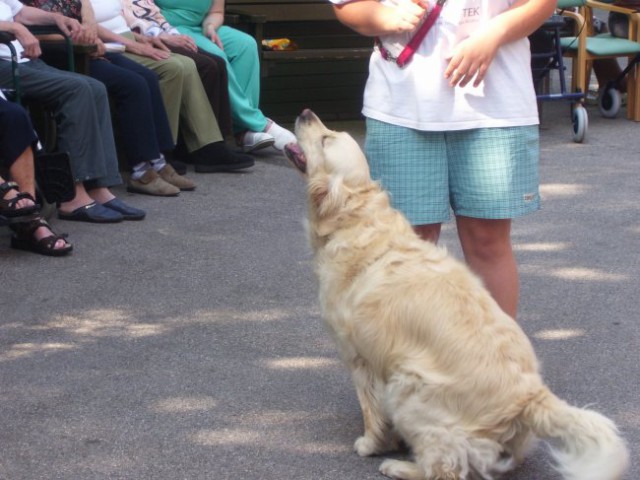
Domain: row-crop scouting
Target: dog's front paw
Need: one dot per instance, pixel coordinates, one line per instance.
(401, 470)
(366, 446)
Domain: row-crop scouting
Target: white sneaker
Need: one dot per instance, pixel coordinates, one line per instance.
(281, 135)
(252, 141)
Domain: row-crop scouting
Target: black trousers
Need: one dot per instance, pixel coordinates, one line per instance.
(139, 111)
(16, 132)
(213, 73)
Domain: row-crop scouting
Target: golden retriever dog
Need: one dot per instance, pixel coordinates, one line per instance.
(436, 363)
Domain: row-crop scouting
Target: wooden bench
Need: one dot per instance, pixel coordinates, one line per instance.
(327, 70)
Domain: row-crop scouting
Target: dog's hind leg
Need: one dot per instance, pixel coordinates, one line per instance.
(370, 390)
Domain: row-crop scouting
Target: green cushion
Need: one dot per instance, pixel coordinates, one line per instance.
(603, 45)
(570, 3)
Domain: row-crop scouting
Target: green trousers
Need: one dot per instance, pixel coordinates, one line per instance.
(185, 100)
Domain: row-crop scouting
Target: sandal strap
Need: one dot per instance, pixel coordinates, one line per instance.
(24, 238)
(27, 228)
(20, 196)
(6, 186)
(9, 206)
(49, 242)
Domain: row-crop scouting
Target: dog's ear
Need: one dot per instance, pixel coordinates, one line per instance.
(327, 195)
(318, 189)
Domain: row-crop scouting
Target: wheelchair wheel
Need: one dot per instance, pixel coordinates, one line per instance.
(610, 102)
(580, 121)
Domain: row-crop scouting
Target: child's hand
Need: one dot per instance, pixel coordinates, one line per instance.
(470, 59)
(404, 17)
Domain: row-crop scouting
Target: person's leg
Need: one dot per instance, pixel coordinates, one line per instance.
(137, 116)
(411, 166)
(133, 113)
(608, 69)
(84, 130)
(242, 52)
(243, 69)
(213, 74)
(199, 125)
(70, 98)
(80, 104)
(97, 187)
(16, 155)
(486, 245)
(159, 114)
(493, 179)
(171, 81)
(22, 172)
(252, 128)
(19, 201)
(185, 100)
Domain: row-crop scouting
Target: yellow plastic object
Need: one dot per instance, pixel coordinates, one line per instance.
(278, 44)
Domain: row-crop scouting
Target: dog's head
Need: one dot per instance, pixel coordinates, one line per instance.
(321, 151)
(338, 181)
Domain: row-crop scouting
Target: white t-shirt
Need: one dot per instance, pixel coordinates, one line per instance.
(8, 10)
(109, 15)
(418, 96)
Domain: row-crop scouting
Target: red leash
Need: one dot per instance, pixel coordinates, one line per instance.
(410, 48)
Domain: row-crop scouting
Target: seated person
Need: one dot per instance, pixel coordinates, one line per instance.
(184, 97)
(142, 121)
(203, 20)
(144, 18)
(17, 199)
(81, 108)
(608, 70)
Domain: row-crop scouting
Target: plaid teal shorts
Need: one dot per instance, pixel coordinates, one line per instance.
(489, 173)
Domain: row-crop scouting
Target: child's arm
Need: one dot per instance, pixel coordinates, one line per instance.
(471, 58)
(371, 18)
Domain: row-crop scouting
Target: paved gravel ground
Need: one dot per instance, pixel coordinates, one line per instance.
(190, 346)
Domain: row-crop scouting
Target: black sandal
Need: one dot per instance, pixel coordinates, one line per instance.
(8, 208)
(24, 239)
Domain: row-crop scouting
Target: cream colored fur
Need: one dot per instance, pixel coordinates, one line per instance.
(434, 360)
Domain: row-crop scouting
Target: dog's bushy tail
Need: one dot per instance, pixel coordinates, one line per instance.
(585, 444)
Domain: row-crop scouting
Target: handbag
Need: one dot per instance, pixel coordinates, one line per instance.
(54, 176)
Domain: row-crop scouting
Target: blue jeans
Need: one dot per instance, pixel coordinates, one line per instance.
(139, 112)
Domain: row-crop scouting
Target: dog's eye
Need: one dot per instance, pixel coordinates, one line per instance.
(326, 139)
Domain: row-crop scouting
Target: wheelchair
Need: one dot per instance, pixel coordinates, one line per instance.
(547, 56)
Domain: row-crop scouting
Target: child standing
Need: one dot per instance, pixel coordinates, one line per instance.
(456, 128)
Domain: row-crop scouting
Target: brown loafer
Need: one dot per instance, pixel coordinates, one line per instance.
(151, 184)
(169, 175)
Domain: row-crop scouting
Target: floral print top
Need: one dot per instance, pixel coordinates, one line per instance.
(68, 8)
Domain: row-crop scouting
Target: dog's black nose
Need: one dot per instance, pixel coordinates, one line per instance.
(307, 115)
